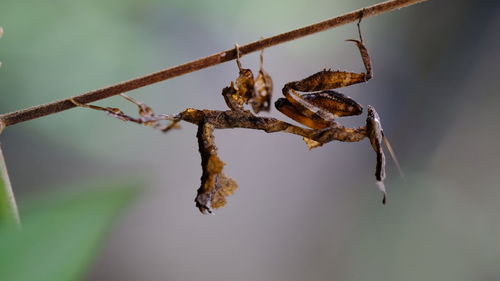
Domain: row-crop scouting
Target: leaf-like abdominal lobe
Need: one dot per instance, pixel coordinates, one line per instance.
(245, 84)
(215, 184)
(262, 93)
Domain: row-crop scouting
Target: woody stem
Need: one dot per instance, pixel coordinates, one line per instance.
(38, 111)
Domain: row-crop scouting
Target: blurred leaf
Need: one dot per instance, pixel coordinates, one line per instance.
(6, 216)
(60, 235)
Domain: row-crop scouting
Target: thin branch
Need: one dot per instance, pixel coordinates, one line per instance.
(8, 205)
(218, 58)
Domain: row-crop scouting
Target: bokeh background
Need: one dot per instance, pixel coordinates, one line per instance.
(298, 214)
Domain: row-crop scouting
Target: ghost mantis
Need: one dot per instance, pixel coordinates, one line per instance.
(317, 108)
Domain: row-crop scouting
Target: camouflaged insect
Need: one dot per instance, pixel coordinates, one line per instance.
(312, 102)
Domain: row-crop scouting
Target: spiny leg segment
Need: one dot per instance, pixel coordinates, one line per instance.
(147, 116)
(319, 109)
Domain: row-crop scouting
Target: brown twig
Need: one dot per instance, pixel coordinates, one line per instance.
(218, 58)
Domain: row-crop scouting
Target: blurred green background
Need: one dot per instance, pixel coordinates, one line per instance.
(298, 214)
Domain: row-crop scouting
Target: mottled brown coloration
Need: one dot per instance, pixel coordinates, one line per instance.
(301, 114)
(232, 98)
(326, 79)
(315, 110)
(245, 84)
(247, 90)
(364, 56)
(224, 186)
(245, 119)
(261, 100)
(318, 109)
(215, 184)
(335, 102)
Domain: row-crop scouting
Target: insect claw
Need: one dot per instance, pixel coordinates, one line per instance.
(364, 56)
(358, 43)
